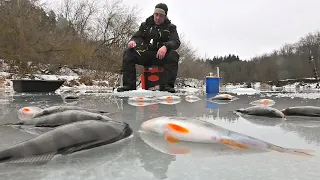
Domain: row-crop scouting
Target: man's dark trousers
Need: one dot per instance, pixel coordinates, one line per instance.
(147, 58)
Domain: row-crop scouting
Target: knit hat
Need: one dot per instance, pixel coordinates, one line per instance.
(161, 8)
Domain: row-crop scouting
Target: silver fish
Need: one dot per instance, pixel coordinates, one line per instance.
(312, 111)
(262, 111)
(175, 129)
(55, 109)
(66, 139)
(61, 118)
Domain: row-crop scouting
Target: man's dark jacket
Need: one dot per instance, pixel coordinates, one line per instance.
(165, 34)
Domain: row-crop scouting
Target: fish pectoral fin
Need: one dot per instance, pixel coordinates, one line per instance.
(177, 128)
(233, 143)
(301, 152)
(36, 159)
(77, 147)
(170, 138)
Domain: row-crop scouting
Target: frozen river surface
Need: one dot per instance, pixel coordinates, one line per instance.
(135, 159)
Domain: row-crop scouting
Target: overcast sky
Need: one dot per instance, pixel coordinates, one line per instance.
(246, 28)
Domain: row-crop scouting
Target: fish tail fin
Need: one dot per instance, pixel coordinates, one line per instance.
(301, 152)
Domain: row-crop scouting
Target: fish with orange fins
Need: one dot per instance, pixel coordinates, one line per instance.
(175, 129)
(223, 97)
(186, 148)
(192, 98)
(30, 112)
(141, 99)
(265, 111)
(169, 98)
(263, 102)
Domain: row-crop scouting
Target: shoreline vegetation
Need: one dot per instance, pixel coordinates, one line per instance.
(39, 42)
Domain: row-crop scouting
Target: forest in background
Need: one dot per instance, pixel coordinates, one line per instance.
(92, 35)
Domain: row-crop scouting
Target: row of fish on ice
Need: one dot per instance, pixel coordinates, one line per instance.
(263, 107)
(169, 100)
(68, 129)
(183, 135)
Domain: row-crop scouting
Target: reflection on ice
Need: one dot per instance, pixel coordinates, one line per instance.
(262, 121)
(308, 130)
(169, 102)
(141, 104)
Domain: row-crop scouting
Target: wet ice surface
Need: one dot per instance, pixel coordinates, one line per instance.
(134, 159)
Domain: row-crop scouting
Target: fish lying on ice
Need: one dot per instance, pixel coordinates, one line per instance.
(66, 139)
(204, 150)
(30, 112)
(169, 98)
(223, 97)
(312, 111)
(262, 111)
(192, 98)
(61, 118)
(263, 102)
(175, 129)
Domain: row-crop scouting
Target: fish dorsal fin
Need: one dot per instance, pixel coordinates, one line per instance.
(178, 128)
(36, 159)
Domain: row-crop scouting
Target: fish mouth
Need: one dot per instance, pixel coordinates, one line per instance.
(154, 125)
(242, 110)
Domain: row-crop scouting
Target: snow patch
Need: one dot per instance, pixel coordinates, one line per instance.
(299, 95)
(245, 91)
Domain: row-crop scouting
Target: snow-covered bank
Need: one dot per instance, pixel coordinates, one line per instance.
(92, 81)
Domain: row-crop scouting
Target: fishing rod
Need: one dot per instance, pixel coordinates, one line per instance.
(315, 74)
